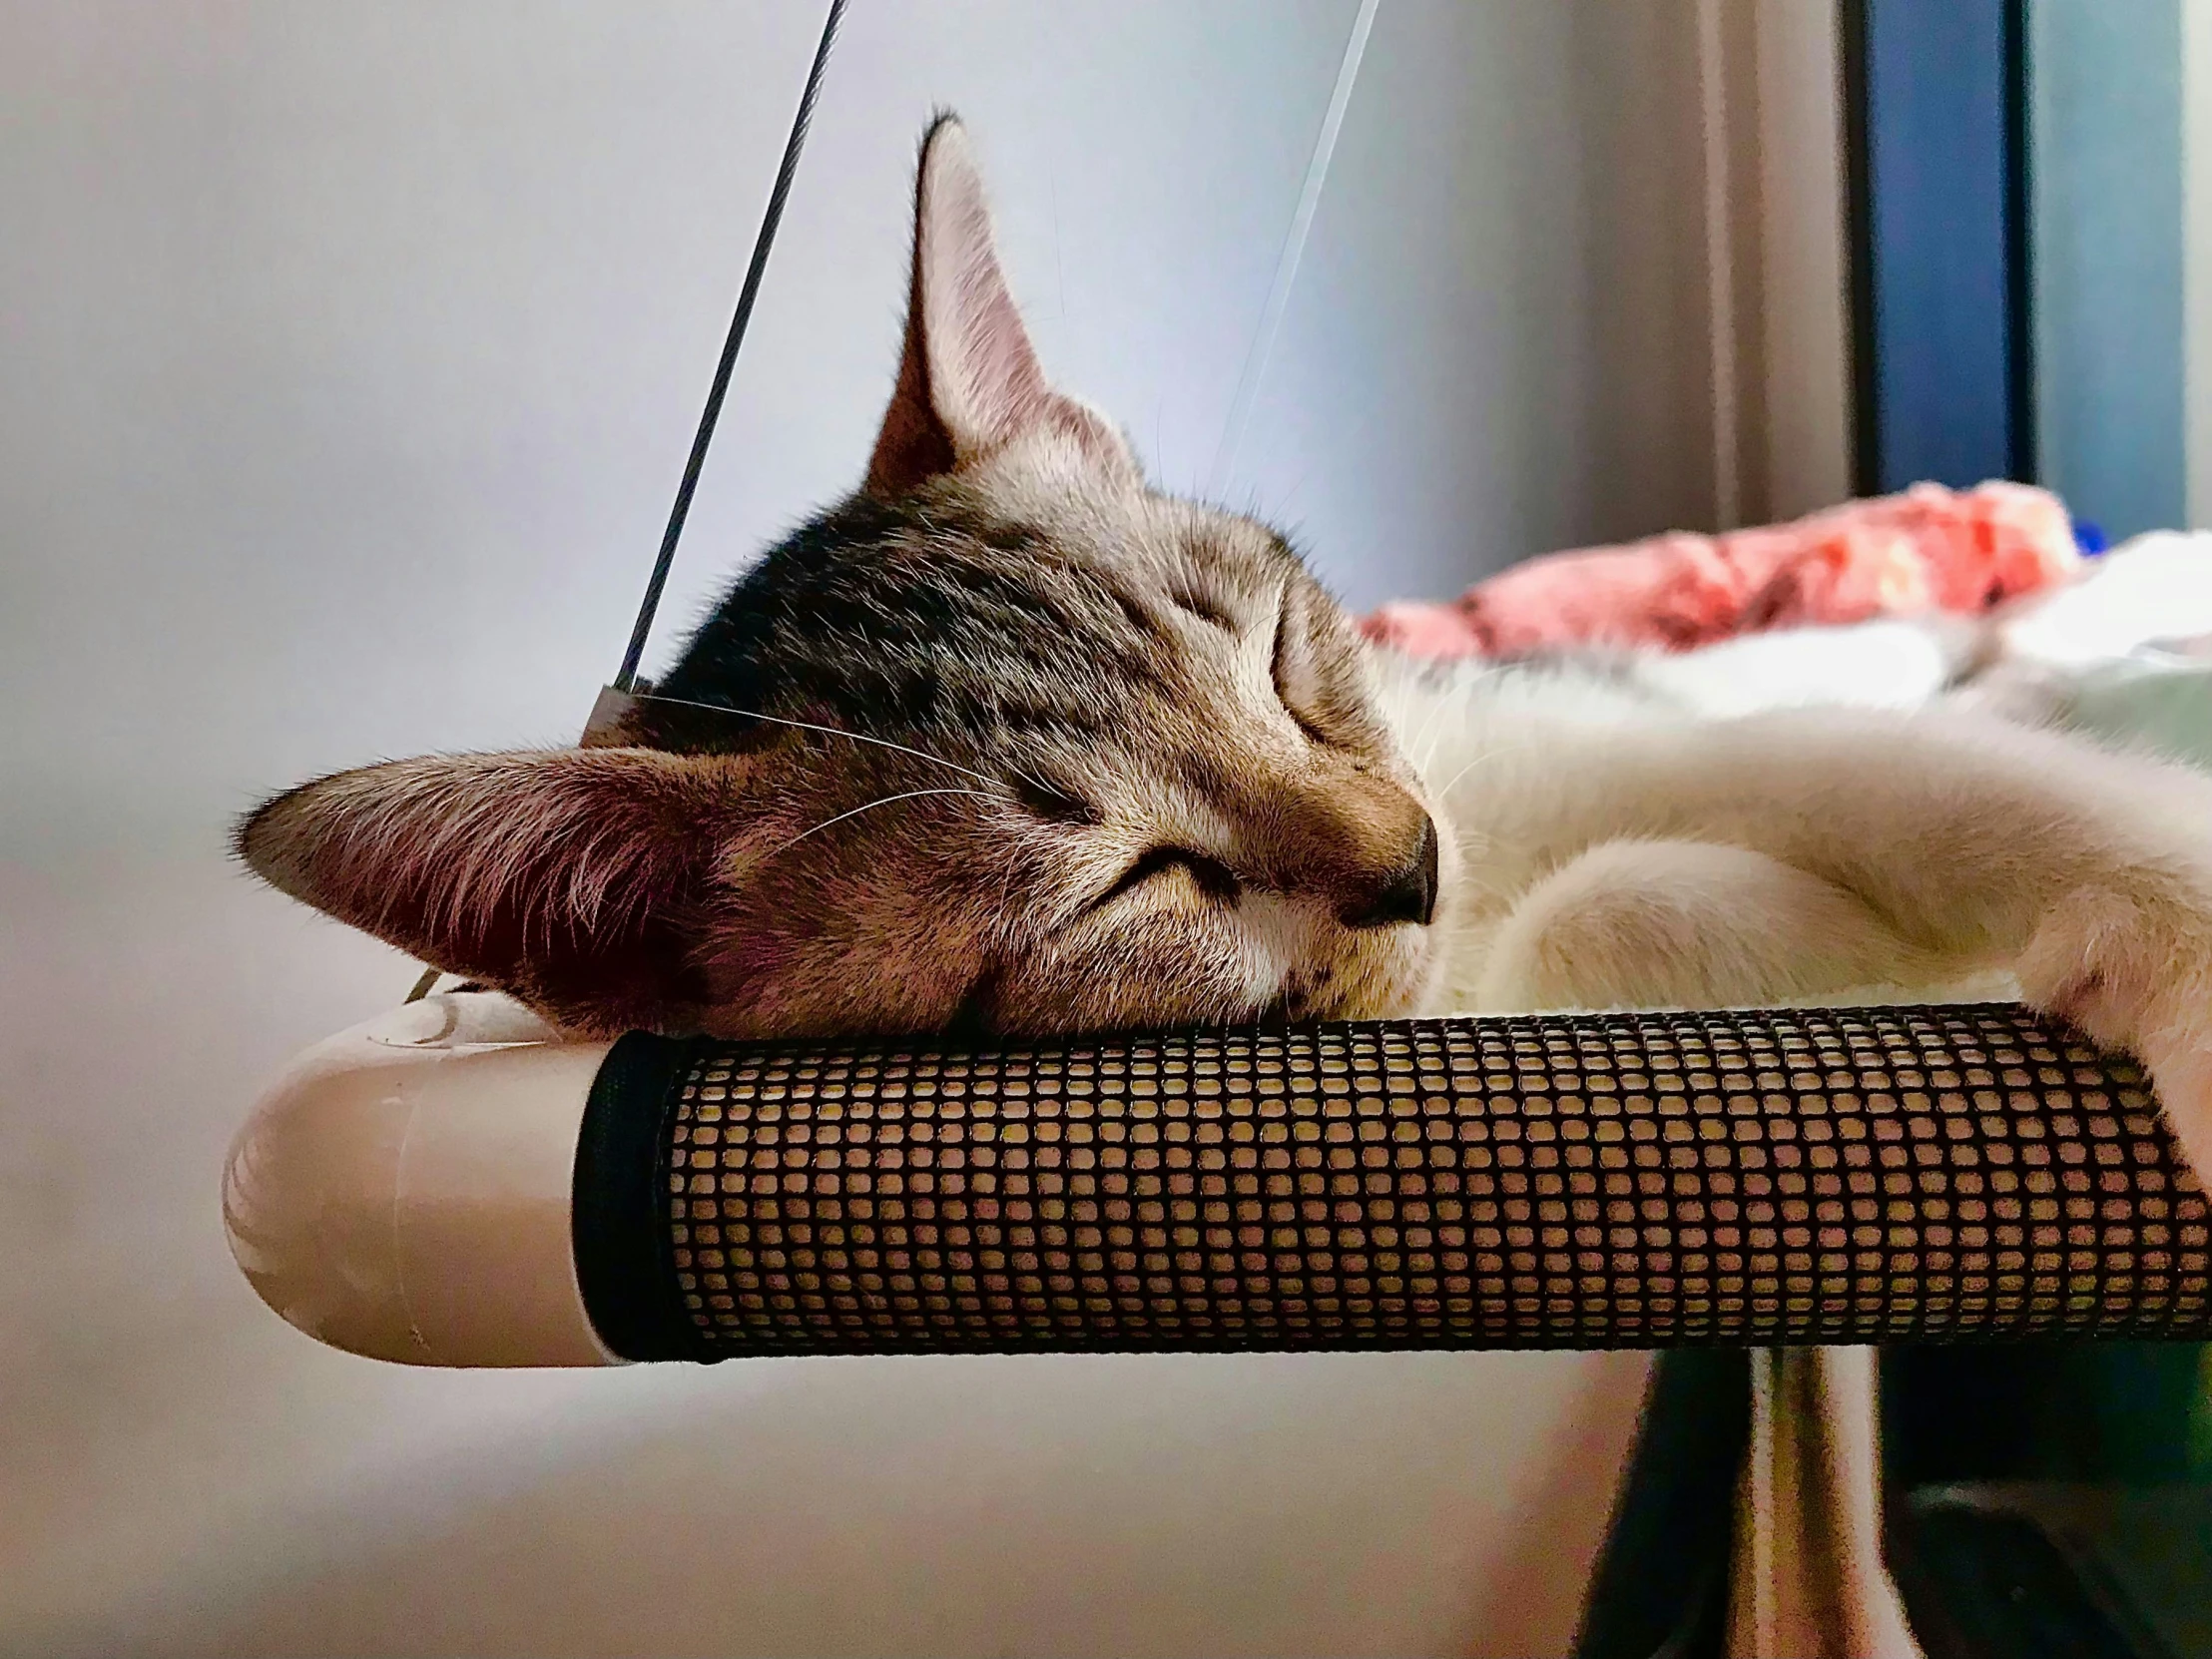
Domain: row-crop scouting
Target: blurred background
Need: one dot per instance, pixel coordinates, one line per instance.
(349, 356)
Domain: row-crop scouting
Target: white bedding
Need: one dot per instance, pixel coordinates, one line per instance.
(2123, 653)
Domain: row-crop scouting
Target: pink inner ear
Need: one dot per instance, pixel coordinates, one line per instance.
(986, 381)
(970, 381)
(571, 876)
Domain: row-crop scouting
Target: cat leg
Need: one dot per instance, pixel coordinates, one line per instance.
(2085, 874)
(1687, 924)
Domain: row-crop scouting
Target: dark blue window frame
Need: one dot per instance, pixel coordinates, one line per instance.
(1936, 162)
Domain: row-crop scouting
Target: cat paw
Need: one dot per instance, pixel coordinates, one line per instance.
(2134, 973)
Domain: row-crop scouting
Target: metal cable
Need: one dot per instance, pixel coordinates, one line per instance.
(626, 675)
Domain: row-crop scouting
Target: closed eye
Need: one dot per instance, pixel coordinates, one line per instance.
(1214, 878)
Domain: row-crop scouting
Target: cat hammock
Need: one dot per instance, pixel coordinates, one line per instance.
(447, 1185)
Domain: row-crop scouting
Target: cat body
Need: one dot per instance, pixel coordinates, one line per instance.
(1621, 845)
(1009, 741)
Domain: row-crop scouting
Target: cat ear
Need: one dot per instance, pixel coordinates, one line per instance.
(572, 878)
(968, 379)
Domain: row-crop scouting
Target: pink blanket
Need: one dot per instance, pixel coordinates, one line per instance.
(1930, 548)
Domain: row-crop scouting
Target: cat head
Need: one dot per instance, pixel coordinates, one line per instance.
(1005, 741)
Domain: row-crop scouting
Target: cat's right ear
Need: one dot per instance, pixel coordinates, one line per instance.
(969, 382)
(576, 878)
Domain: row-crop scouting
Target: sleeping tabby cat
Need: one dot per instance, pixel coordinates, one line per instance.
(1027, 746)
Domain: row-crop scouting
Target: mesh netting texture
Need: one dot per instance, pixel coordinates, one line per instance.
(1615, 1181)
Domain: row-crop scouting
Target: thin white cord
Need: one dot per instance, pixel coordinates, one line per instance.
(1720, 268)
(1294, 249)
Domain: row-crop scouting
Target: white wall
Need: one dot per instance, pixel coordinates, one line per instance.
(349, 356)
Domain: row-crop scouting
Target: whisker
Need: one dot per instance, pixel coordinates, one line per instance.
(882, 800)
(1446, 791)
(1430, 735)
(828, 731)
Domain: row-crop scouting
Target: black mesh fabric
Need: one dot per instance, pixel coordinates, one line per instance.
(1615, 1181)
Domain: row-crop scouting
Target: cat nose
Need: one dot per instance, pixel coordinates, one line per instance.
(1405, 894)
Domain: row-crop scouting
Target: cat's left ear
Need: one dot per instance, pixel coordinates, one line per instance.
(969, 382)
